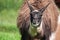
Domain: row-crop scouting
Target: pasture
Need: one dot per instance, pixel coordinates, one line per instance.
(8, 16)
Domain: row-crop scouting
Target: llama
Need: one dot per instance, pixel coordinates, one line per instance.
(48, 24)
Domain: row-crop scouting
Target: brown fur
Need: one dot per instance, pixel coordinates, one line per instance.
(57, 37)
(49, 17)
(57, 33)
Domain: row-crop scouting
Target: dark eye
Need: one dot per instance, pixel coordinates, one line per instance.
(38, 20)
(40, 15)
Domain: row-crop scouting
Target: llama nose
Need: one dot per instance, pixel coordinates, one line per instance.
(35, 22)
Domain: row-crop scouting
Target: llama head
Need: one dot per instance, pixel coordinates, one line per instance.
(36, 15)
(35, 18)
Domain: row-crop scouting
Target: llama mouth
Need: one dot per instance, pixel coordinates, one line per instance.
(35, 25)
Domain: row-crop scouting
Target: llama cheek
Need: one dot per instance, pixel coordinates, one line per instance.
(40, 29)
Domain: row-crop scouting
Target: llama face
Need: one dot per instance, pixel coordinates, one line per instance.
(35, 18)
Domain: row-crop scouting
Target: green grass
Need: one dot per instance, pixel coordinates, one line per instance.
(10, 4)
(8, 17)
(8, 28)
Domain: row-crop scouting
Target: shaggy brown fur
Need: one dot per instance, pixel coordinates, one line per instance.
(57, 37)
(57, 33)
(49, 18)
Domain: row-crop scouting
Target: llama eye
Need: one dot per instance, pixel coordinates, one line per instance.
(40, 15)
(38, 20)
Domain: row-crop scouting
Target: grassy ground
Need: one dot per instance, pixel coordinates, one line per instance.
(8, 28)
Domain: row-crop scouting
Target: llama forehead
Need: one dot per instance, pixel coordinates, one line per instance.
(35, 11)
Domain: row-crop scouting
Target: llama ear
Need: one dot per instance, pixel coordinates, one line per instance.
(43, 9)
(30, 6)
